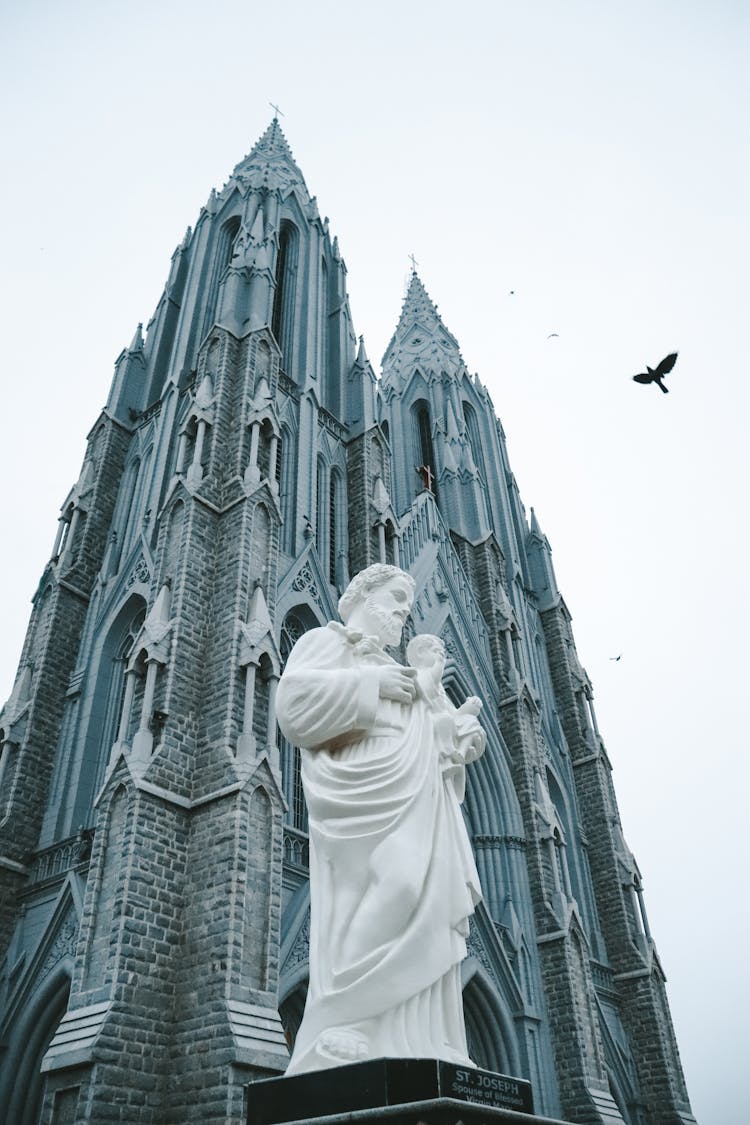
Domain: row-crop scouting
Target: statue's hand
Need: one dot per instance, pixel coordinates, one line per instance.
(397, 683)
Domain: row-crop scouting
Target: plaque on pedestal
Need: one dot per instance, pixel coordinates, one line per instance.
(383, 1084)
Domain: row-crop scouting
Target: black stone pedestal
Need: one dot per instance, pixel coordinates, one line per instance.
(395, 1092)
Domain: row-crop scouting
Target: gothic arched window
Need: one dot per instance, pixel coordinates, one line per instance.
(103, 708)
(287, 485)
(336, 529)
(472, 432)
(321, 505)
(222, 258)
(296, 622)
(123, 509)
(283, 301)
(423, 446)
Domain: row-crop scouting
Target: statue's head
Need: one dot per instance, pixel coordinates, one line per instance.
(425, 650)
(377, 602)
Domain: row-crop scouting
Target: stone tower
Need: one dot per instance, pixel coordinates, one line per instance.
(154, 907)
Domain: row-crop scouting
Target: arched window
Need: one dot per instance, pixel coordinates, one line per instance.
(133, 523)
(283, 301)
(123, 509)
(472, 432)
(63, 532)
(337, 547)
(321, 504)
(222, 258)
(296, 622)
(287, 488)
(423, 446)
(103, 709)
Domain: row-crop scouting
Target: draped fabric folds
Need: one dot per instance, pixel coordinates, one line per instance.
(392, 876)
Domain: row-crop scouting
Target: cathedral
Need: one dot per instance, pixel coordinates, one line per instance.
(154, 905)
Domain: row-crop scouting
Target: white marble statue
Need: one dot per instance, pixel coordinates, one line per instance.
(392, 876)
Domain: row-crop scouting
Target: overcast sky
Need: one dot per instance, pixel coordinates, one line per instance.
(591, 157)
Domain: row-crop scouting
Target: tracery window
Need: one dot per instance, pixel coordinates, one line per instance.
(283, 302)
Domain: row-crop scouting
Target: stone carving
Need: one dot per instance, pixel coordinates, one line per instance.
(64, 945)
(393, 882)
(300, 951)
(139, 573)
(305, 580)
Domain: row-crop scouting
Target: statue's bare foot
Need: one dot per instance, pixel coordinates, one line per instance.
(343, 1044)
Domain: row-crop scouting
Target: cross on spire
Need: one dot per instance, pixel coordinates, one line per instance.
(414, 263)
(276, 109)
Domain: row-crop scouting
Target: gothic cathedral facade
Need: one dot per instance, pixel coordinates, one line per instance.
(154, 906)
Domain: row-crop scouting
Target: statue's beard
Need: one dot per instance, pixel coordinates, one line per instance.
(388, 625)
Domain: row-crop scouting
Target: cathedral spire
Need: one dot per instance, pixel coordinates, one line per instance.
(270, 163)
(421, 337)
(419, 308)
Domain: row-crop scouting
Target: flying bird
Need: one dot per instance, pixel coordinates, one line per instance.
(616, 657)
(655, 374)
(553, 334)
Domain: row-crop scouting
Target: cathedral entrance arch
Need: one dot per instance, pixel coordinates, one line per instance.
(21, 1099)
(490, 1031)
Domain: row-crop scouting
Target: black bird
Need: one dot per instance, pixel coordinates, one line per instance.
(655, 374)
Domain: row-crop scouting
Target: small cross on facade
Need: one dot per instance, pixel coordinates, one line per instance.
(276, 109)
(427, 476)
(414, 263)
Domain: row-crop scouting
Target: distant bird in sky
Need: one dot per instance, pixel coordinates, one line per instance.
(616, 657)
(655, 374)
(553, 334)
(511, 292)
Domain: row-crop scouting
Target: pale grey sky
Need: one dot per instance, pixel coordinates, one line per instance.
(592, 157)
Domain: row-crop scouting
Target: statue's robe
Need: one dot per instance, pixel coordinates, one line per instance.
(392, 877)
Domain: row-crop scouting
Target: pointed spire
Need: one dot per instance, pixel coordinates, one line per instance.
(361, 359)
(534, 525)
(137, 342)
(420, 327)
(270, 162)
(418, 302)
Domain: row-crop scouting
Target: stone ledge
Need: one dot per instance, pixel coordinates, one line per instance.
(434, 1111)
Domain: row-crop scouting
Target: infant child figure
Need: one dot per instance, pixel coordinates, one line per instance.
(458, 734)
